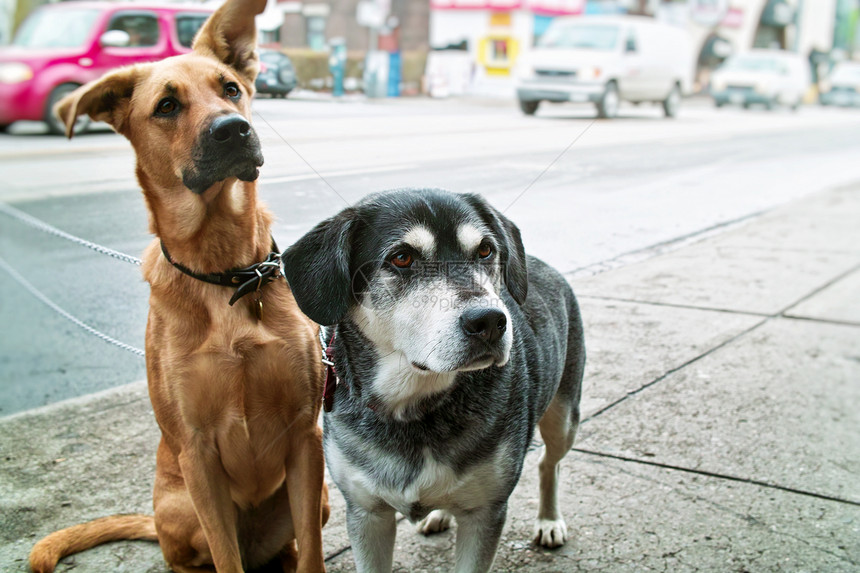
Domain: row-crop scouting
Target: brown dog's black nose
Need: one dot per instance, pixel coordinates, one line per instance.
(489, 324)
(229, 128)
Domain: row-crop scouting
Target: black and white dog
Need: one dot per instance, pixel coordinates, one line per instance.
(450, 346)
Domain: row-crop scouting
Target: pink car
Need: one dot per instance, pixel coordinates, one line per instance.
(62, 46)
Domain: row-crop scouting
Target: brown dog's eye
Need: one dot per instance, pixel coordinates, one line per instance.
(232, 91)
(167, 107)
(402, 260)
(485, 250)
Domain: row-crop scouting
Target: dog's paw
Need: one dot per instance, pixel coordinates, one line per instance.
(438, 520)
(550, 533)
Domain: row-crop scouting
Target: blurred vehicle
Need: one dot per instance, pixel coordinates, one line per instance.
(766, 77)
(842, 88)
(277, 75)
(62, 46)
(607, 59)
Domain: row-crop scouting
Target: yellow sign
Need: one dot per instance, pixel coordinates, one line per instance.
(500, 19)
(497, 53)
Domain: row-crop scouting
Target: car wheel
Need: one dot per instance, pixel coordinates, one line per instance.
(672, 102)
(607, 107)
(718, 103)
(56, 126)
(529, 107)
(4, 127)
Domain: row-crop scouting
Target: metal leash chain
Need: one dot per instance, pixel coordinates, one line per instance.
(38, 294)
(42, 226)
(45, 227)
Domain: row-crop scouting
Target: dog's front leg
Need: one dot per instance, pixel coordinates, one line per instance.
(372, 535)
(305, 482)
(478, 533)
(209, 489)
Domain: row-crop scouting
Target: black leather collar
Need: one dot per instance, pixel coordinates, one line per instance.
(246, 280)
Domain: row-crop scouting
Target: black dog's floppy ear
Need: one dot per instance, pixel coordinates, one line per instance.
(513, 254)
(317, 268)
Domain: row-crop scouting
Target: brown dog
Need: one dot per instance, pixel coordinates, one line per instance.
(236, 392)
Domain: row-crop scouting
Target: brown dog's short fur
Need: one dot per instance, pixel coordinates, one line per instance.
(239, 475)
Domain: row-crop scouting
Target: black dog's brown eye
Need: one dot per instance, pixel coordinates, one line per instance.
(402, 260)
(485, 250)
(231, 90)
(166, 107)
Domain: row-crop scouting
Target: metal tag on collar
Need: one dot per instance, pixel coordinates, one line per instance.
(258, 308)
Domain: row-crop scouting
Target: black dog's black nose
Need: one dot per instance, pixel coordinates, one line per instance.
(487, 323)
(227, 128)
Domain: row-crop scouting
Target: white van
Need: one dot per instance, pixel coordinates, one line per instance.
(607, 59)
(842, 87)
(766, 77)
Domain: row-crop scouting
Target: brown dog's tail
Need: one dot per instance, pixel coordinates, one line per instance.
(47, 552)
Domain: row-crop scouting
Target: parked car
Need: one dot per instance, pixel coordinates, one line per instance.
(62, 46)
(766, 77)
(607, 59)
(277, 75)
(842, 87)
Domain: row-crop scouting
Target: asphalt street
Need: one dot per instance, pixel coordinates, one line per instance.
(588, 195)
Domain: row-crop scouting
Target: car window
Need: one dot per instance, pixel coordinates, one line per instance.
(579, 36)
(846, 73)
(67, 28)
(141, 27)
(631, 45)
(187, 26)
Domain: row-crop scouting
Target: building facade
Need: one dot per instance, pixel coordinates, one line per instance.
(485, 39)
(495, 34)
(314, 23)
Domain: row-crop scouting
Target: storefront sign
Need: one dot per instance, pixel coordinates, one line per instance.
(476, 4)
(554, 7)
(734, 18)
(369, 14)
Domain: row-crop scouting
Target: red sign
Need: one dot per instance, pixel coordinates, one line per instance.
(553, 7)
(476, 4)
(734, 18)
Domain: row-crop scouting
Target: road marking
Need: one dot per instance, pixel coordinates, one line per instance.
(342, 173)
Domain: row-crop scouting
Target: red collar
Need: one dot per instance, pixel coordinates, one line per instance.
(330, 375)
(331, 379)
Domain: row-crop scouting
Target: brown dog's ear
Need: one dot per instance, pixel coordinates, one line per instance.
(106, 99)
(230, 35)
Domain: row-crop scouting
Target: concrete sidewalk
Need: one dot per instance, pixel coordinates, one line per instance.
(721, 433)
